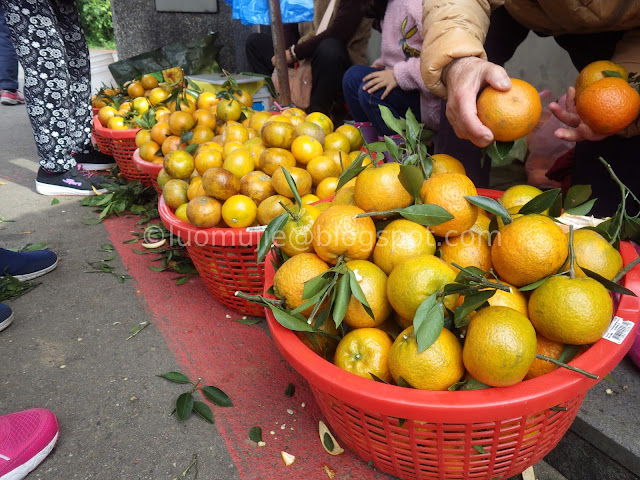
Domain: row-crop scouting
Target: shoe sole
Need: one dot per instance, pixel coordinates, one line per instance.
(31, 464)
(30, 276)
(97, 166)
(55, 190)
(5, 324)
(11, 102)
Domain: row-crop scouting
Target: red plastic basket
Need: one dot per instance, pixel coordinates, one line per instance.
(226, 259)
(418, 434)
(148, 168)
(123, 144)
(103, 141)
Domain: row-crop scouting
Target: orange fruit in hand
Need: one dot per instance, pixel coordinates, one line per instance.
(608, 105)
(414, 279)
(512, 114)
(436, 368)
(288, 281)
(337, 232)
(295, 237)
(443, 163)
(499, 347)
(528, 249)
(399, 240)
(467, 250)
(448, 191)
(373, 282)
(594, 253)
(365, 351)
(594, 72)
(379, 189)
(571, 310)
(548, 348)
(239, 211)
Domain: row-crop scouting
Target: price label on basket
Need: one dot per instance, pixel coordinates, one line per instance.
(259, 228)
(618, 330)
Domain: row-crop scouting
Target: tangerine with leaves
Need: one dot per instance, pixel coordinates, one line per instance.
(295, 236)
(436, 368)
(548, 348)
(571, 310)
(378, 189)
(300, 176)
(288, 281)
(608, 105)
(594, 253)
(528, 249)
(229, 109)
(448, 191)
(512, 114)
(337, 231)
(322, 167)
(373, 282)
(499, 347)
(327, 187)
(270, 208)
(518, 195)
(595, 71)
(363, 352)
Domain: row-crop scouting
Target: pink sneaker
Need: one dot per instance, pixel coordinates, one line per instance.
(11, 98)
(26, 438)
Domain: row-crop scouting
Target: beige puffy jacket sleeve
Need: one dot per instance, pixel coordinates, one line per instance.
(451, 29)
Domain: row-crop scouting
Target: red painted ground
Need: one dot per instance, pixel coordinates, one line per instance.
(243, 362)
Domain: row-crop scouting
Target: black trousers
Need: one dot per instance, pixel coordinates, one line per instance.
(503, 38)
(329, 62)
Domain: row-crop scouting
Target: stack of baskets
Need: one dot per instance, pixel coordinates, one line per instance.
(226, 259)
(121, 144)
(480, 434)
(148, 168)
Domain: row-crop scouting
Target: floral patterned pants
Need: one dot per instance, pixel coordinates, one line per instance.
(53, 52)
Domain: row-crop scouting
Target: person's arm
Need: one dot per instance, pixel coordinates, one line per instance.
(344, 25)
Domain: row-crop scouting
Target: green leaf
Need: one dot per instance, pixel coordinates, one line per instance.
(608, 284)
(413, 128)
(472, 301)
(425, 214)
(473, 384)
(357, 292)
(583, 209)
(558, 408)
(631, 229)
(478, 448)
(403, 383)
(540, 203)
(204, 411)
(428, 322)
(491, 206)
(292, 185)
(533, 286)
(314, 286)
(568, 353)
(401, 422)
(255, 434)
(315, 300)
(182, 280)
(411, 178)
(451, 288)
(290, 390)
(555, 210)
(504, 153)
(55, 201)
(343, 295)
(469, 274)
(249, 320)
(576, 195)
(392, 147)
(184, 405)
(351, 171)
(269, 235)
(191, 148)
(217, 396)
(328, 442)
(175, 377)
(296, 322)
(378, 379)
(611, 73)
(395, 124)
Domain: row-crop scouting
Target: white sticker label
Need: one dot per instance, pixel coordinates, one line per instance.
(618, 330)
(259, 228)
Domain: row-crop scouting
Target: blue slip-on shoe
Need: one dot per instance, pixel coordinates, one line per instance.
(6, 316)
(27, 265)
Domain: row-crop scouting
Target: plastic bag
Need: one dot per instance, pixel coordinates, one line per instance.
(544, 147)
(256, 12)
(199, 55)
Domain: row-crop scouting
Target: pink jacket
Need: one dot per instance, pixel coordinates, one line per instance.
(400, 50)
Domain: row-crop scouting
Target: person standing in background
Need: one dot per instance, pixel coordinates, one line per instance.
(9, 93)
(51, 47)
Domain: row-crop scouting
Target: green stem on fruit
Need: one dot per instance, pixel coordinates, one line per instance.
(572, 270)
(293, 215)
(383, 213)
(624, 271)
(260, 300)
(568, 367)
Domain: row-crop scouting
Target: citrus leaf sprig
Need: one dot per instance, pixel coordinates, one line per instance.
(425, 214)
(186, 402)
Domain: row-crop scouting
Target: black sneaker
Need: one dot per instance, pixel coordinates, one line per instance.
(95, 160)
(76, 181)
